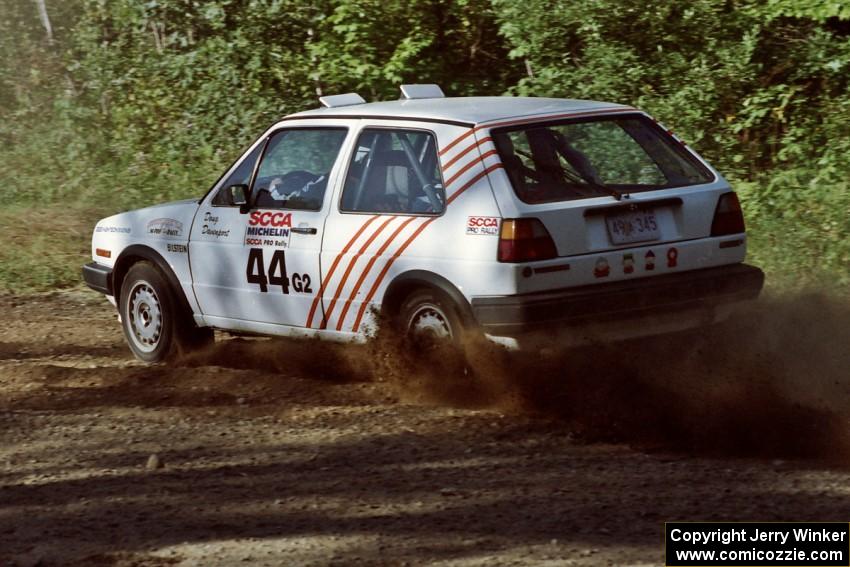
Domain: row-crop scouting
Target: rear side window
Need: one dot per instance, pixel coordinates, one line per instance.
(594, 157)
(394, 171)
(295, 166)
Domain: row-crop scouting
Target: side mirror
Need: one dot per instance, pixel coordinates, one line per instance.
(237, 195)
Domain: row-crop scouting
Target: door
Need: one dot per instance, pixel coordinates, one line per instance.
(392, 189)
(262, 264)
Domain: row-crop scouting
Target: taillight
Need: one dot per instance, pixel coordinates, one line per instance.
(525, 240)
(728, 217)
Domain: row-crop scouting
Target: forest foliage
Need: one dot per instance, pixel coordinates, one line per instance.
(130, 102)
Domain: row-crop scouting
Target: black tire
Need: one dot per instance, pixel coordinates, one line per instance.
(155, 326)
(428, 315)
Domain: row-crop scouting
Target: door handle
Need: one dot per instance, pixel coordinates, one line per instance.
(304, 230)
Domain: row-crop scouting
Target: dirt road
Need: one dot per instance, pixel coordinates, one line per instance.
(274, 453)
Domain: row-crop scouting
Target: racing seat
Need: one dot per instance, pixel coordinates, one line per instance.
(517, 171)
(387, 186)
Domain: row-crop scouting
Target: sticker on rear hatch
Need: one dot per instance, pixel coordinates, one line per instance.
(672, 258)
(601, 270)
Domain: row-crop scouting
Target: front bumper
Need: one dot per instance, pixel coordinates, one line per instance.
(98, 277)
(618, 301)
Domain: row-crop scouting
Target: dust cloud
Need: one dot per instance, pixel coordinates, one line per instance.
(772, 383)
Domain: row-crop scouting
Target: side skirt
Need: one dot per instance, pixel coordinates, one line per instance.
(271, 329)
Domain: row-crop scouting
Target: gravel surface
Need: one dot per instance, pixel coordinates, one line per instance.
(278, 453)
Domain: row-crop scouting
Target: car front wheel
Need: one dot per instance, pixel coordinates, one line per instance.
(155, 327)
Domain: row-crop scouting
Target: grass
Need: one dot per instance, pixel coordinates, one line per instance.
(43, 249)
(800, 236)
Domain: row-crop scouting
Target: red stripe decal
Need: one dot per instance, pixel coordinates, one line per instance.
(384, 271)
(462, 153)
(466, 168)
(472, 181)
(407, 243)
(336, 261)
(457, 140)
(366, 270)
(403, 247)
(350, 267)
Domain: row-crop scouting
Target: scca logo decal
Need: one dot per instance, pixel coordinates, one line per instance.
(488, 226)
(483, 221)
(270, 219)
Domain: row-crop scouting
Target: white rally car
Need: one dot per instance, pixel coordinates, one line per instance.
(512, 217)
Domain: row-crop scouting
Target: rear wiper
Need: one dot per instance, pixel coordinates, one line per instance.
(561, 146)
(603, 188)
(577, 177)
(571, 176)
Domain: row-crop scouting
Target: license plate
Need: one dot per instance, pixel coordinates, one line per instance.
(633, 227)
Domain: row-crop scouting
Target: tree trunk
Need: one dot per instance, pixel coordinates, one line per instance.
(45, 19)
(48, 29)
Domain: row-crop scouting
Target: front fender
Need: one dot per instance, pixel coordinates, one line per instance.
(139, 252)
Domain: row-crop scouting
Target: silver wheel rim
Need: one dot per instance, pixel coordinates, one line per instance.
(144, 316)
(429, 322)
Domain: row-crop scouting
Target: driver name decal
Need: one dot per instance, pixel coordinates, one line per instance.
(211, 228)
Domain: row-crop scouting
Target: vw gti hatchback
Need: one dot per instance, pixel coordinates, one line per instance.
(528, 220)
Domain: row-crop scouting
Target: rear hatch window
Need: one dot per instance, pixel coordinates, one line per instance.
(593, 157)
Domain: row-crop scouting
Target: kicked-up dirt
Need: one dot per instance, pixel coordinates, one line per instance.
(267, 452)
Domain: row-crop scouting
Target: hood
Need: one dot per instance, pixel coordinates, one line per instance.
(170, 221)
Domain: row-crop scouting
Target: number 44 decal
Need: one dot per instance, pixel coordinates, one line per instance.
(256, 273)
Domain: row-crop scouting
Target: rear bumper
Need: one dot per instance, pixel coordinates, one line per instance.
(98, 277)
(634, 299)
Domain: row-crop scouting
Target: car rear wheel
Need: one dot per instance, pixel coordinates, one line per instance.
(428, 318)
(155, 327)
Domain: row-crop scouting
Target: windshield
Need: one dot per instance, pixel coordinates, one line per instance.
(594, 157)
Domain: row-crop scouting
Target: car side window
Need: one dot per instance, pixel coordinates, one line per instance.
(241, 176)
(295, 166)
(394, 171)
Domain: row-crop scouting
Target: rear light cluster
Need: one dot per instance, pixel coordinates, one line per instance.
(728, 216)
(525, 240)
